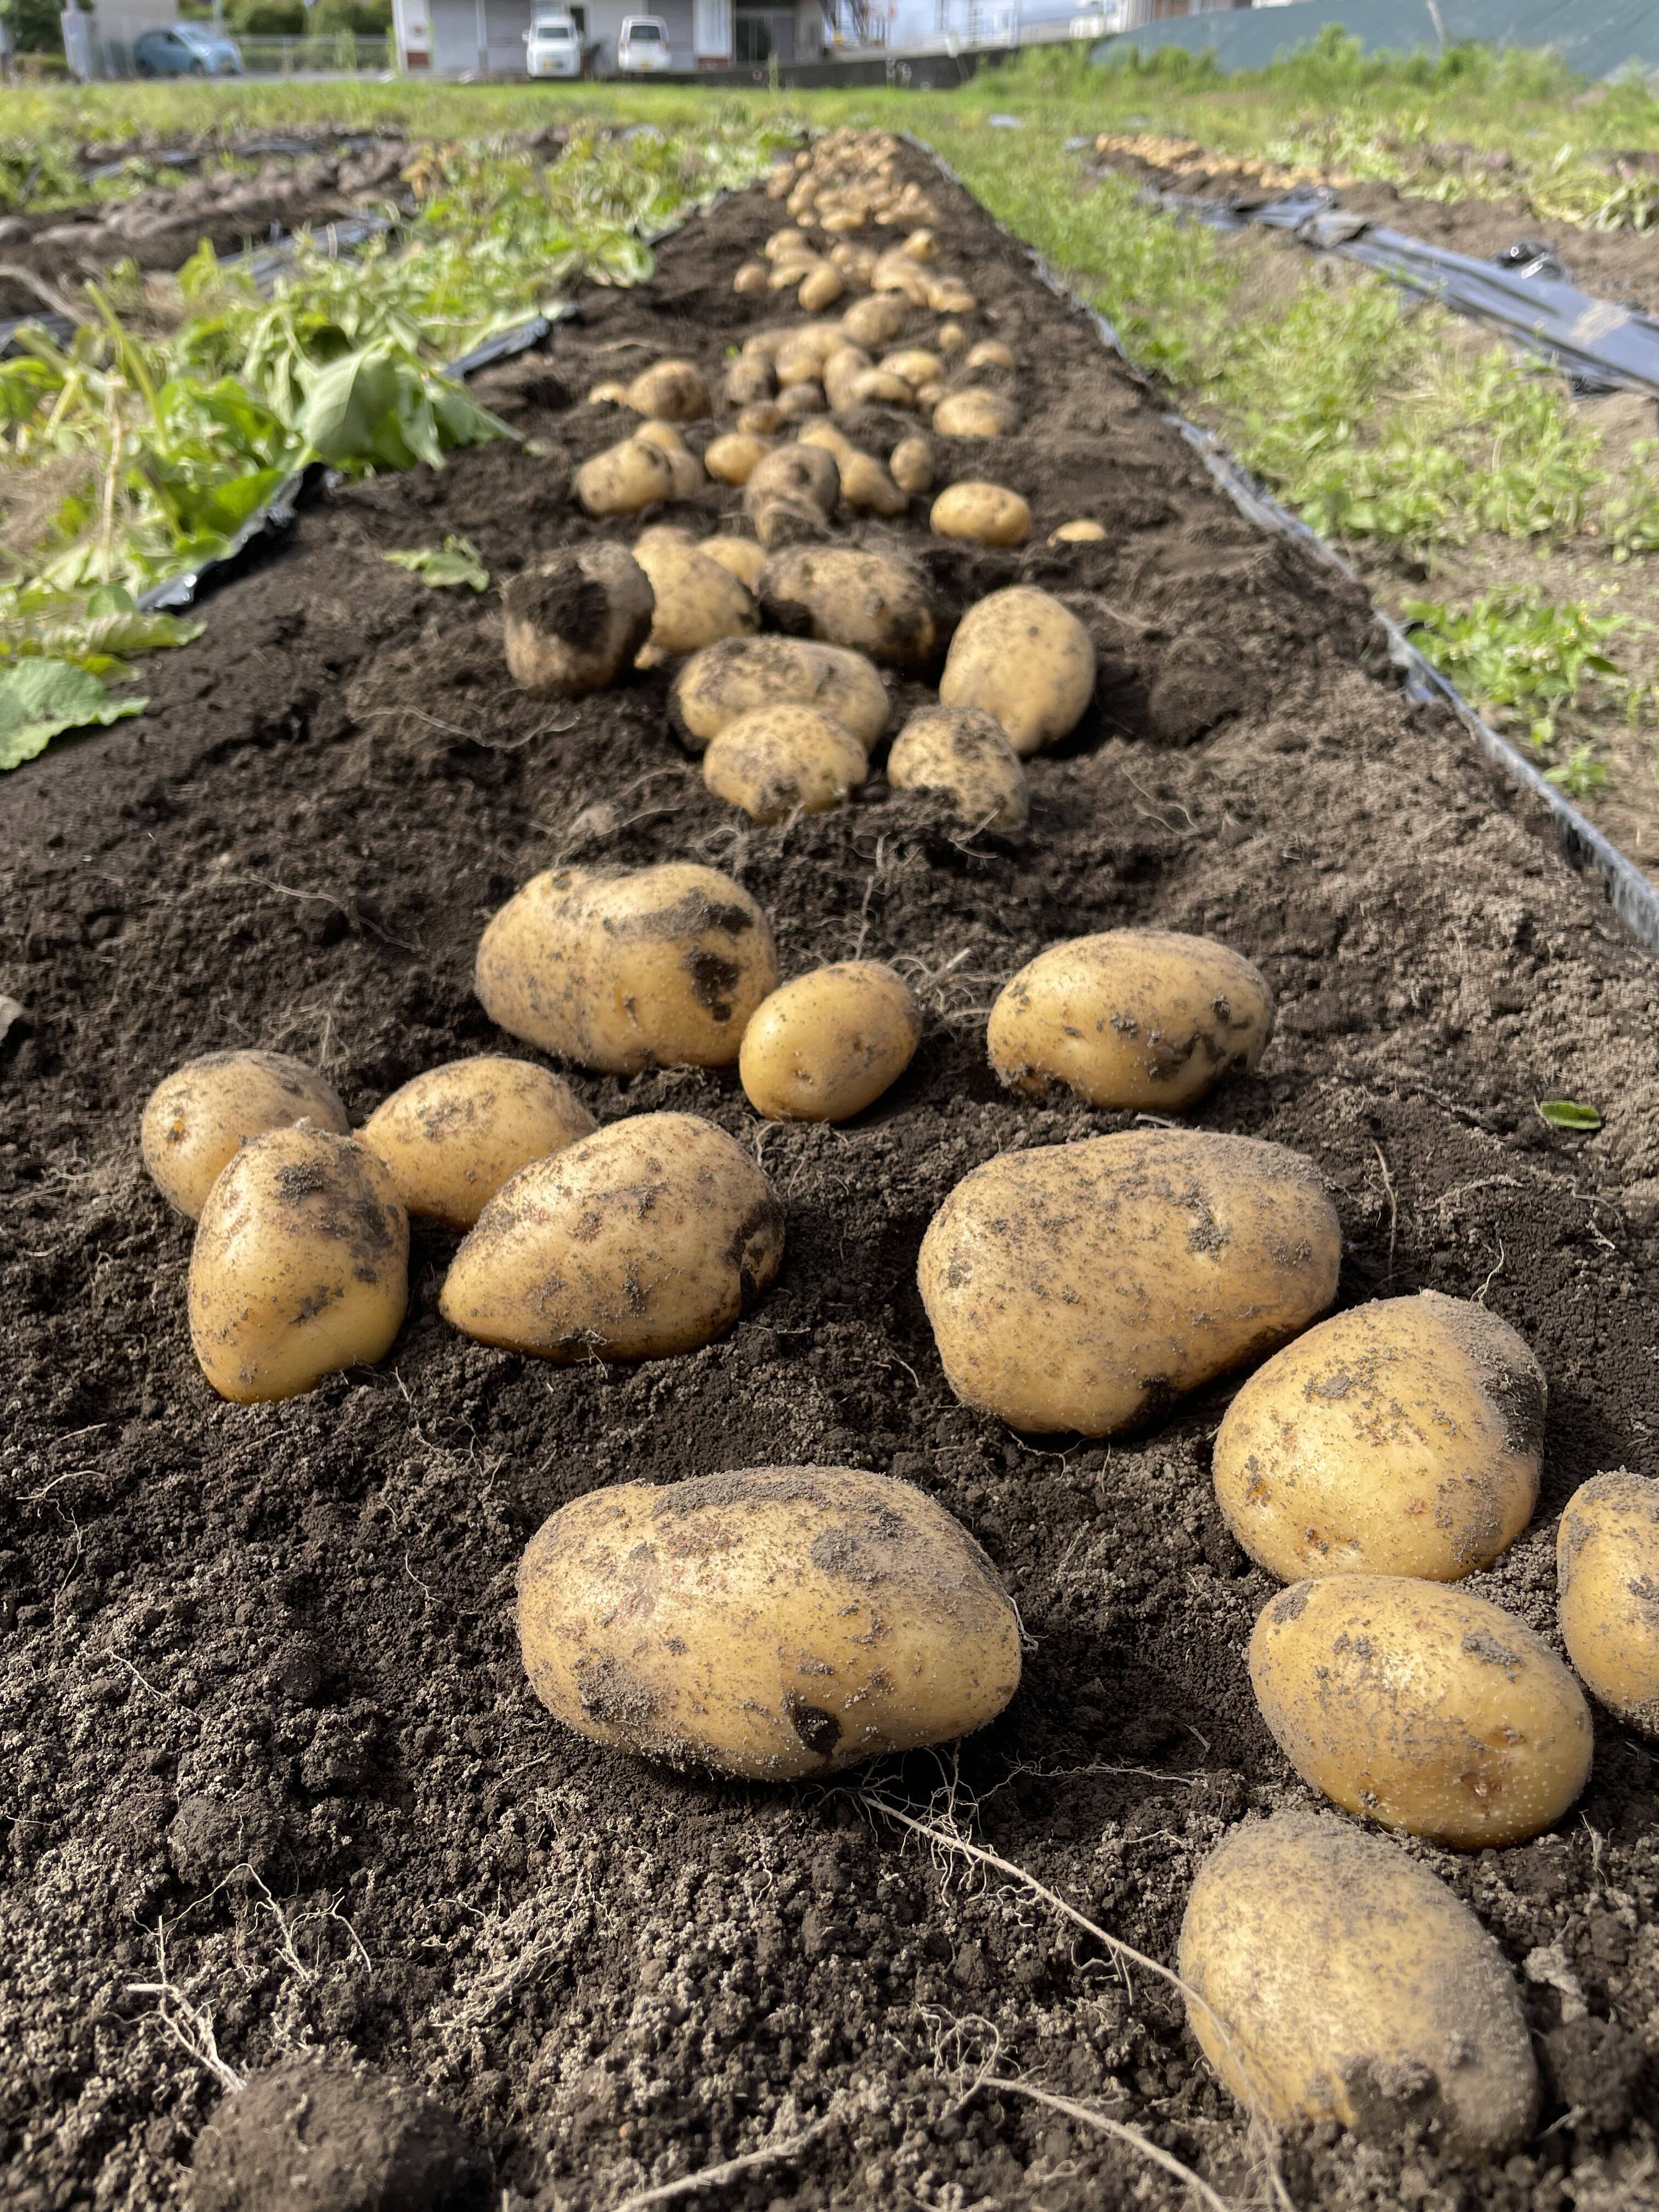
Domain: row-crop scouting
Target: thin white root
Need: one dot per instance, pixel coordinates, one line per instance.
(1087, 2116)
(716, 2177)
(187, 2025)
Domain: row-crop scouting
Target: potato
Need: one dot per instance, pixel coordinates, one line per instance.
(572, 625)
(301, 1266)
(877, 320)
(867, 488)
(451, 1136)
(661, 967)
(698, 601)
(975, 413)
(782, 243)
(826, 1044)
(771, 1624)
(689, 479)
(1422, 1707)
(1402, 1437)
(1131, 1018)
(199, 1118)
(673, 391)
(950, 296)
(609, 393)
(782, 522)
(821, 288)
(1085, 1286)
(910, 464)
(624, 478)
(1331, 1977)
(921, 245)
(749, 380)
(961, 751)
(915, 365)
(989, 353)
(799, 365)
(1026, 660)
(835, 443)
(801, 402)
(763, 420)
(750, 278)
(950, 337)
(741, 557)
(793, 472)
(872, 387)
(875, 603)
(984, 513)
(781, 760)
(929, 397)
(734, 677)
(793, 272)
(895, 271)
(734, 459)
(841, 372)
(647, 1239)
(1080, 532)
(1607, 1572)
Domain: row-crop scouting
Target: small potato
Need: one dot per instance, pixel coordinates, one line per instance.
(895, 271)
(875, 603)
(826, 1045)
(921, 245)
(915, 365)
(950, 337)
(793, 472)
(734, 459)
(983, 514)
(1084, 1286)
(1331, 1977)
(841, 372)
(451, 1136)
(1026, 660)
(698, 601)
(749, 380)
(659, 968)
(866, 488)
(1606, 1557)
(990, 353)
(735, 677)
(741, 557)
(783, 243)
(301, 1266)
(782, 759)
(821, 288)
(910, 464)
(647, 1239)
(750, 278)
(802, 401)
(793, 272)
(875, 321)
(574, 624)
(875, 387)
(608, 394)
(950, 296)
(975, 413)
(772, 1624)
(762, 420)
(199, 1118)
(673, 391)
(929, 397)
(1080, 532)
(1131, 1018)
(1421, 1706)
(1402, 1437)
(624, 478)
(961, 751)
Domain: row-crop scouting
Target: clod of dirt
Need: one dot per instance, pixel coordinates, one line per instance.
(210, 1837)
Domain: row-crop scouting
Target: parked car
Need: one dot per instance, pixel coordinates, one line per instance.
(552, 47)
(643, 46)
(185, 49)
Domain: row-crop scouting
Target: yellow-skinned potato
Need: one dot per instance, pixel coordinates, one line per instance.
(1402, 1437)
(1084, 1286)
(835, 443)
(1422, 1707)
(823, 288)
(572, 625)
(921, 245)
(451, 1136)
(781, 521)
(949, 296)
(801, 402)
(689, 479)
(624, 478)
(793, 472)
(1026, 660)
(673, 391)
(1608, 1571)
(873, 387)
(741, 557)
(867, 488)
(770, 1624)
(698, 601)
(950, 337)
(989, 353)
(1331, 1977)
(875, 320)
(841, 373)
(199, 1118)
(910, 464)
(300, 1267)
(750, 278)
(1080, 532)
(749, 380)
(782, 243)
(976, 413)
(762, 420)
(783, 760)
(961, 751)
(608, 393)
(1132, 1018)
(795, 271)
(734, 459)
(915, 365)
(984, 513)
(737, 676)
(826, 1044)
(647, 1239)
(874, 602)
(661, 967)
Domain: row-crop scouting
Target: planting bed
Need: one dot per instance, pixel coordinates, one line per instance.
(268, 1739)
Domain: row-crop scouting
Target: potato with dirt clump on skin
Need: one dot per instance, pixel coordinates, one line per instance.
(624, 478)
(872, 603)
(672, 391)
(659, 968)
(770, 1623)
(826, 1044)
(1421, 1706)
(575, 624)
(1131, 1018)
(793, 472)
(1331, 1977)
(698, 601)
(1402, 1437)
(1086, 1286)
(1606, 1557)
(300, 1267)
(983, 514)
(1025, 659)
(962, 752)
(741, 674)
(199, 1118)
(451, 1138)
(782, 759)
(974, 412)
(645, 1240)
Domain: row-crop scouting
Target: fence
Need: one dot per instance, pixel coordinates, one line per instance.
(335, 53)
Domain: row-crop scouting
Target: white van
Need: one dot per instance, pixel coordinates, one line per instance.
(643, 47)
(552, 47)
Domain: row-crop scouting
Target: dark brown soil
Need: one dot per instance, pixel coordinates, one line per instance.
(268, 1737)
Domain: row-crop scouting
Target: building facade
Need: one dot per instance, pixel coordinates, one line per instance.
(486, 38)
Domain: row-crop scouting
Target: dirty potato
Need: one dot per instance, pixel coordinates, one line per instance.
(801, 472)
(741, 674)
(575, 624)
(874, 602)
(976, 413)
(741, 557)
(696, 601)
(1607, 1573)
(1025, 659)
(672, 391)
(982, 514)
(826, 1044)
(962, 752)
(910, 464)
(783, 759)
(452, 1136)
(625, 477)
(199, 1118)
(734, 459)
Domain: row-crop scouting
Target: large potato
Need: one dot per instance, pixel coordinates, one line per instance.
(573, 624)
(1331, 1977)
(1026, 660)
(1403, 1438)
(773, 1623)
(983, 514)
(625, 477)
(1084, 1286)
(1131, 1018)
(962, 751)
(974, 413)
(1608, 1571)
(782, 759)
(741, 557)
(793, 472)
(301, 1266)
(875, 603)
(673, 391)
(697, 601)
(199, 1118)
(826, 1044)
(741, 674)
(661, 968)
(648, 1238)
(875, 320)
(1421, 1706)
(452, 1136)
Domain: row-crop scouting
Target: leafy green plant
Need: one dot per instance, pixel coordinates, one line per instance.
(1519, 658)
(1568, 1113)
(40, 698)
(444, 567)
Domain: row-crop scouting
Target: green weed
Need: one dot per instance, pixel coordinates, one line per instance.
(1523, 660)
